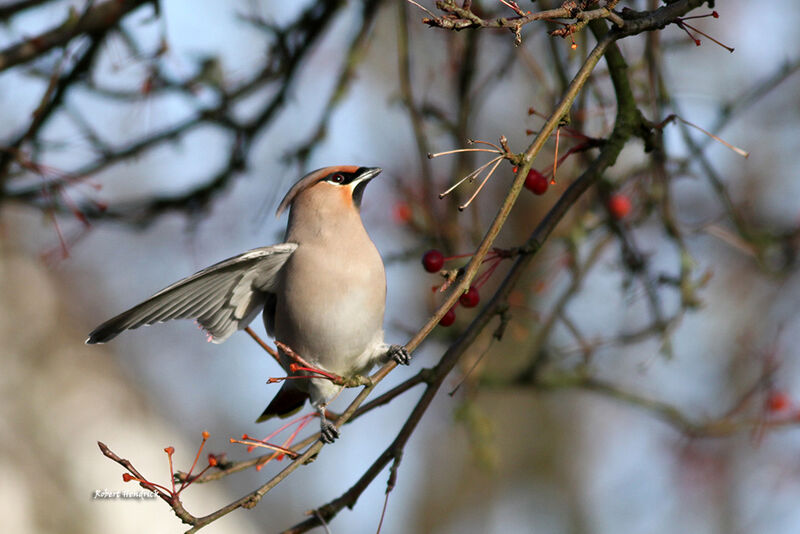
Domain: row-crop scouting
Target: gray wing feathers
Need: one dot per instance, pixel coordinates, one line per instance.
(223, 298)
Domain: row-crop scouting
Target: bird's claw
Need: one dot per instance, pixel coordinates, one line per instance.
(399, 354)
(328, 432)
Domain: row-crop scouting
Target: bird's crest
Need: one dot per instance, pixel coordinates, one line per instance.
(309, 180)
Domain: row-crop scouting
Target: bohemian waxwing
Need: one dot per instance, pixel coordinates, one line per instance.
(322, 291)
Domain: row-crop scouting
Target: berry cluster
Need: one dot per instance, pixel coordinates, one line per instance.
(433, 261)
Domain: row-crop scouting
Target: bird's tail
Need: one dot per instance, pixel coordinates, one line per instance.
(288, 401)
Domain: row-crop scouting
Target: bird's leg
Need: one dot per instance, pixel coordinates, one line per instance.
(399, 354)
(328, 432)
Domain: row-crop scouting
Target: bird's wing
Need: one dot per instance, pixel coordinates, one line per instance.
(223, 297)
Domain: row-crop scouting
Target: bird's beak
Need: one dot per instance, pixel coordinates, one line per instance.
(366, 174)
(360, 183)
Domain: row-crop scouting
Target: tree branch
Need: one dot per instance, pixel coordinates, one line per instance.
(98, 19)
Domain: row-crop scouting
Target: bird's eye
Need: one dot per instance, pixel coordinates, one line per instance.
(337, 178)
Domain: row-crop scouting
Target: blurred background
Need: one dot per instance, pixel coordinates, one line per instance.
(647, 379)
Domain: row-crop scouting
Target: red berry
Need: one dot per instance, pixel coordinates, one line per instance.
(778, 401)
(619, 206)
(471, 298)
(448, 318)
(536, 182)
(433, 261)
(402, 212)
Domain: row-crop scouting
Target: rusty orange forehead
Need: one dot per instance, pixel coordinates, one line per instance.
(310, 179)
(348, 169)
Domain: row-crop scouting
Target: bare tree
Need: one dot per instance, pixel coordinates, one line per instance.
(589, 100)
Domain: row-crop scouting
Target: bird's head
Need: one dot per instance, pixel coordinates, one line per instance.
(326, 202)
(338, 187)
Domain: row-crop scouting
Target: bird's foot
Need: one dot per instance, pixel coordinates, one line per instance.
(327, 431)
(399, 354)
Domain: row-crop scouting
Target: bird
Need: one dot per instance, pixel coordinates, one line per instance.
(322, 293)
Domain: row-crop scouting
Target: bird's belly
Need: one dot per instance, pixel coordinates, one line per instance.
(333, 320)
